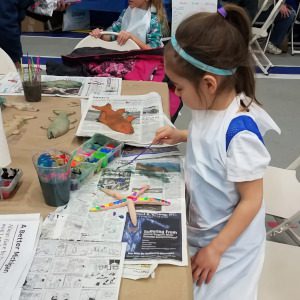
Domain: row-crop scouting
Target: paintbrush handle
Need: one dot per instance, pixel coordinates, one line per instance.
(142, 190)
(114, 194)
(132, 211)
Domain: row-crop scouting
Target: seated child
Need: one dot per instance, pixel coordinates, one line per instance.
(143, 21)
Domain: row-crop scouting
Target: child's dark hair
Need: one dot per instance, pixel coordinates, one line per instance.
(219, 42)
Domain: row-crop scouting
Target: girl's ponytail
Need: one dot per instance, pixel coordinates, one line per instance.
(220, 40)
(245, 81)
(161, 15)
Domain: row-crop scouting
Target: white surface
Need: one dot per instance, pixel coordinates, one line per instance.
(4, 151)
(281, 192)
(181, 9)
(7, 65)
(281, 273)
(90, 41)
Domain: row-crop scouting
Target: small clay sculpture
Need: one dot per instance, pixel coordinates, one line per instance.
(13, 126)
(114, 119)
(17, 105)
(60, 125)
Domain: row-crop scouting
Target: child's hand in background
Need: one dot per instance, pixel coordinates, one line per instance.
(204, 264)
(169, 135)
(96, 33)
(123, 37)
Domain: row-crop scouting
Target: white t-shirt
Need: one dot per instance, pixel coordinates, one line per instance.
(211, 171)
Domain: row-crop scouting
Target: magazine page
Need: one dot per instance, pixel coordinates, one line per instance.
(145, 110)
(18, 235)
(75, 270)
(64, 86)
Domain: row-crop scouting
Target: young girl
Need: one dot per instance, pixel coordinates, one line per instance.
(143, 21)
(209, 62)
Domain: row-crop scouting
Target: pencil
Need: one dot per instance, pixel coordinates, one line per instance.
(132, 212)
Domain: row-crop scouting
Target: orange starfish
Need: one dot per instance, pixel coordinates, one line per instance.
(114, 119)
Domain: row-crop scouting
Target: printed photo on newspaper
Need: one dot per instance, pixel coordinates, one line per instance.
(157, 236)
(131, 119)
(64, 86)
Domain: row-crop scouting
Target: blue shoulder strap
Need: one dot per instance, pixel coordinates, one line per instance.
(239, 124)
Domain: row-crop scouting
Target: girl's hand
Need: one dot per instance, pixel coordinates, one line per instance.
(204, 264)
(284, 11)
(123, 37)
(96, 33)
(169, 135)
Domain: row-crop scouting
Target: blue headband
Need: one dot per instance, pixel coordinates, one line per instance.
(199, 64)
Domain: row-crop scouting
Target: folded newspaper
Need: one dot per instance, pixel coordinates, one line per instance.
(64, 86)
(18, 240)
(147, 110)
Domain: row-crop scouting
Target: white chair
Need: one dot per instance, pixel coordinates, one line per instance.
(90, 41)
(7, 65)
(295, 24)
(263, 62)
(281, 192)
(281, 272)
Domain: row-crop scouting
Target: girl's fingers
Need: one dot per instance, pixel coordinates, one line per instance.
(197, 274)
(202, 277)
(210, 276)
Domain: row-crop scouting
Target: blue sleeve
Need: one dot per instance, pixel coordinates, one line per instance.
(12, 13)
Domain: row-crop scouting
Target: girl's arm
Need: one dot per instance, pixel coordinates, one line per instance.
(206, 261)
(170, 135)
(153, 37)
(124, 36)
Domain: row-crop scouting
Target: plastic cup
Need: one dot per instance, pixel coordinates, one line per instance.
(32, 86)
(54, 176)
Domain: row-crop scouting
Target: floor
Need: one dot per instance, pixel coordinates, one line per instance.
(279, 96)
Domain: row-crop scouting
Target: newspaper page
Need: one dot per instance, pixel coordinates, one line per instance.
(75, 222)
(136, 272)
(66, 270)
(182, 9)
(157, 225)
(18, 235)
(64, 86)
(130, 152)
(147, 110)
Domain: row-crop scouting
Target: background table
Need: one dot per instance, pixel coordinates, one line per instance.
(170, 282)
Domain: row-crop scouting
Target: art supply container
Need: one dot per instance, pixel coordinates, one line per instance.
(54, 171)
(31, 81)
(8, 184)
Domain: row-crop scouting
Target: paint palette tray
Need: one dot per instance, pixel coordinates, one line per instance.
(95, 154)
(9, 183)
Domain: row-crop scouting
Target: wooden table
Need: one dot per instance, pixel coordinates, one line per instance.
(171, 282)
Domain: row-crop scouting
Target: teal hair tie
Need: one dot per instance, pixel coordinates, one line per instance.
(199, 64)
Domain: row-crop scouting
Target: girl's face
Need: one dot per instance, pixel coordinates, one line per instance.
(187, 91)
(143, 4)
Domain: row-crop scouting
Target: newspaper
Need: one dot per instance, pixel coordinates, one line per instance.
(18, 236)
(165, 178)
(135, 272)
(64, 86)
(130, 152)
(147, 110)
(75, 270)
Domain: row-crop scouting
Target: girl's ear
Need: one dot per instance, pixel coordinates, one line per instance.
(209, 84)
